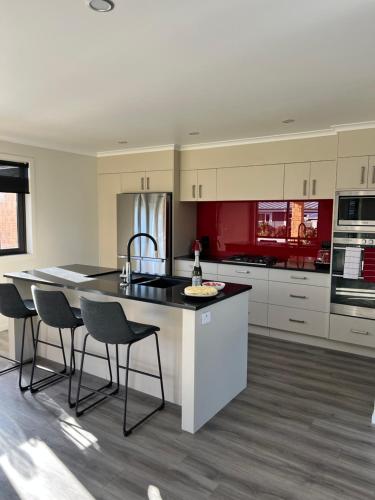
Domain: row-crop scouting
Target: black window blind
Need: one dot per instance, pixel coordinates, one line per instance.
(14, 177)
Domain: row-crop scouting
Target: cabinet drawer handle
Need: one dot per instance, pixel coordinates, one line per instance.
(193, 190)
(305, 187)
(148, 182)
(242, 272)
(142, 183)
(359, 332)
(314, 187)
(296, 320)
(297, 296)
(298, 277)
(363, 169)
(200, 190)
(373, 174)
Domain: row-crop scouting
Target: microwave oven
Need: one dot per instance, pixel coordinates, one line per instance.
(355, 211)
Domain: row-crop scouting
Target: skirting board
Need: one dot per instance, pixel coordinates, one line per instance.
(321, 342)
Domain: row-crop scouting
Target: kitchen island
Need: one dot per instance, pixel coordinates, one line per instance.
(203, 345)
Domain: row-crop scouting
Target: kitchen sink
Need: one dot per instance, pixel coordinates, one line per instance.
(158, 282)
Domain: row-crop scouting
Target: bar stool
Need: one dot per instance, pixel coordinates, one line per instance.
(54, 310)
(13, 306)
(106, 322)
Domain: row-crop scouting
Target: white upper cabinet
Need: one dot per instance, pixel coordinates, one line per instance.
(132, 182)
(159, 181)
(310, 180)
(296, 181)
(198, 185)
(259, 182)
(322, 179)
(353, 173)
(188, 185)
(153, 181)
(206, 184)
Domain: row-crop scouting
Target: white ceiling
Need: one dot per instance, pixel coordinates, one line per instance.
(153, 70)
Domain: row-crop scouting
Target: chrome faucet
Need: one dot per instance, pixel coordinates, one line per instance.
(126, 269)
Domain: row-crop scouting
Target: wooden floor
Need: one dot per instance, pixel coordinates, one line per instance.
(300, 431)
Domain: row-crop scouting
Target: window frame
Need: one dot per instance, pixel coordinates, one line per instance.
(21, 226)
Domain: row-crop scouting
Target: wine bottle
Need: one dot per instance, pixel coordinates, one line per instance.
(197, 270)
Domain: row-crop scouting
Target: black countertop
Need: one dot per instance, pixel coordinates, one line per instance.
(294, 263)
(106, 281)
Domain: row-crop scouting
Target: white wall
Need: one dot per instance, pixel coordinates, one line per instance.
(63, 206)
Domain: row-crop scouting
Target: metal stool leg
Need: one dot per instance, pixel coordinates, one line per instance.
(127, 432)
(160, 373)
(25, 387)
(96, 391)
(50, 379)
(71, 367)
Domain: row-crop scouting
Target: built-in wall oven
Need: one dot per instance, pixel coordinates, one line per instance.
(353, 255)
(351, 293)
(355, 211)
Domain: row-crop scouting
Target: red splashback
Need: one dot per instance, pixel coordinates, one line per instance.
(237, 227)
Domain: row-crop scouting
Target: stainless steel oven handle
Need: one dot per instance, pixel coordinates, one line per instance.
(359, 332)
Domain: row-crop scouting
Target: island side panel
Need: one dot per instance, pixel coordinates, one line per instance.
(214, 366)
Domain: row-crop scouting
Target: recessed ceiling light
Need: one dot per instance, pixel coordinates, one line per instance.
(194, 133)
(122, 142)
(101, 5)
(289, 120)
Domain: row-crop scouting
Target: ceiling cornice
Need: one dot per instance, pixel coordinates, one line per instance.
(257, 140)
(347, 127)
(132, 151)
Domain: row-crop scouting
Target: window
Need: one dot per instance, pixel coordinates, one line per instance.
(14, 185)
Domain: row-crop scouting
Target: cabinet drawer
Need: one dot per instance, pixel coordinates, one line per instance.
(244, 271)
(259, 292)
(300, 277)
(314, 298)
(187, 265)
(258, 313)
(352, 330)
(298, 320)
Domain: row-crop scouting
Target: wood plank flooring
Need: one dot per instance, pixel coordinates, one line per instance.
(300, 431)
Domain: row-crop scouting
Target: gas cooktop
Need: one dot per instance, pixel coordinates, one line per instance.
(254, 260)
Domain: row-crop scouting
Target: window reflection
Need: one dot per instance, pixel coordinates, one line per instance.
(292, 223)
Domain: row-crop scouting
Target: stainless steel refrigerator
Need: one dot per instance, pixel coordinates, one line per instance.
(145, 213)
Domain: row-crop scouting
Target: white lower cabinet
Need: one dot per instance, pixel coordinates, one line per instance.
(298, 320)
(258, 314)
(280, 300)
(352, 330)
(313, 298)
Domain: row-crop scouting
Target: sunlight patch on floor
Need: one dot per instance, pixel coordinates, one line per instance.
(36, 473)
(70, 427)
